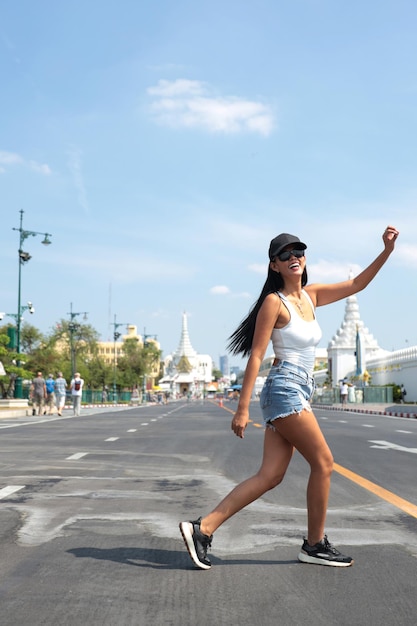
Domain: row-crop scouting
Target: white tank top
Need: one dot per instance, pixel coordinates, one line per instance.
(297, 341)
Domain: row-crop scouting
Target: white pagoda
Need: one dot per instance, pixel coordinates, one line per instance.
(185, 371)
(352, 345)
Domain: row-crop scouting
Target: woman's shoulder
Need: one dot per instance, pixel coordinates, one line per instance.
(272, 303)
(274, 297)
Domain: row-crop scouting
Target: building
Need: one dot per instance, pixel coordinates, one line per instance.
(352, 346)
(111, 351)
(224, 365)
(185, 371)
(354, 354)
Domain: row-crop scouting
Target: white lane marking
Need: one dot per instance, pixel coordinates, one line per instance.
(407, 432)
(342, 421)
(132, 430)
(387, 445)
(76, 456)
(55, 419)
(144, 424)
(7, 491)
(153, 420)
(368, 426)
(112, 439)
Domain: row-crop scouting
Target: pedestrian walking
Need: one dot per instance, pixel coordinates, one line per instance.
(60, 392)
(344, 390)
(76, 386)
(285, 314)
(50, 394)
(38, 393)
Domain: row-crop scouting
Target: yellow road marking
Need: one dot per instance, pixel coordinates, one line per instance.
(382, 493)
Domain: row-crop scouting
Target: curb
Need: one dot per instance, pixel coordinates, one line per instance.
(367, 411)
(100, 406)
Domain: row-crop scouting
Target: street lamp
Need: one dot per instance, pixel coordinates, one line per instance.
(116, 336)
(24, 257)
(145, 337)
(72, 327)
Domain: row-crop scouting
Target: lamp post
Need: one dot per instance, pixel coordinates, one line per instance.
(72, 327)
(145, 338)
(24, 257)
(116, 336)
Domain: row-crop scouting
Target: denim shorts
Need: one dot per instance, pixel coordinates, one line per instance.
(287, 390)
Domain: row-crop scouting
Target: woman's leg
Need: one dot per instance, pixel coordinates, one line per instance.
(276, 458)
(303, 432)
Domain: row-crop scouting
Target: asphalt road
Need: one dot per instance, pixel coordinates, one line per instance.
(89, 512)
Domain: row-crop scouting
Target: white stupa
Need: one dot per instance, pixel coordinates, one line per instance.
(186, 371)
(352, 345)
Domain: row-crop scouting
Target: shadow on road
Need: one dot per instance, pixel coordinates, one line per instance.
(161, 559)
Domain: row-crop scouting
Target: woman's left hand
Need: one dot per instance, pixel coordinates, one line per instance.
(389, 237)
(239, 422)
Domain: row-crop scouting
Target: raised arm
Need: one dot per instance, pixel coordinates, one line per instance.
(322, 294)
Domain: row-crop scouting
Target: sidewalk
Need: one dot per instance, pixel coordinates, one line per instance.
(27, 412)
(393, 410)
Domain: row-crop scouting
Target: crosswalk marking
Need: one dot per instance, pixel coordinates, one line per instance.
(76, 456)
(7, 491)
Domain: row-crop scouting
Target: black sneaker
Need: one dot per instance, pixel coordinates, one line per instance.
(197, 543)
(323, 553)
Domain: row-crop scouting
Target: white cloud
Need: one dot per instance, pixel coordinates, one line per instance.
(179, 87)
(190, 104)
(8, 159)
(42, 168)
(242, 294)
(406, 253)
(220, 290)
(330, 272)
(259, 268)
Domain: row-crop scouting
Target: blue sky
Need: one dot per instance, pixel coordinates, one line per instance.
(164, 143)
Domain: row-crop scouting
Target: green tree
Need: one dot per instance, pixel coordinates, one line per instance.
(131, 366)
(40, 351)
(79, 345)
(99, 374)
(217, 374)
(30, 338)
(9, 359)
(137, 361)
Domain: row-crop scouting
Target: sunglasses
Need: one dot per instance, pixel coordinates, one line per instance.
(284, 256)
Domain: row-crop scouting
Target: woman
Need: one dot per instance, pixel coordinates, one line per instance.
(285, 314)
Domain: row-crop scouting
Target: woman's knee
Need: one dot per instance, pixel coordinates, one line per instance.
(270, 480)
(323, 463)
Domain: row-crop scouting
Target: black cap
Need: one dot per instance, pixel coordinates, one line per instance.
(283, 240)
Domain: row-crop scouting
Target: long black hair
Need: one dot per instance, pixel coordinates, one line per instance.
(240, 342)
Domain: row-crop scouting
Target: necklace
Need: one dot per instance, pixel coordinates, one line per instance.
(299, 307)
(297, 303)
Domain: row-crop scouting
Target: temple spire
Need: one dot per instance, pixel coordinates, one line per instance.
(185, 348)
(345, 337)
